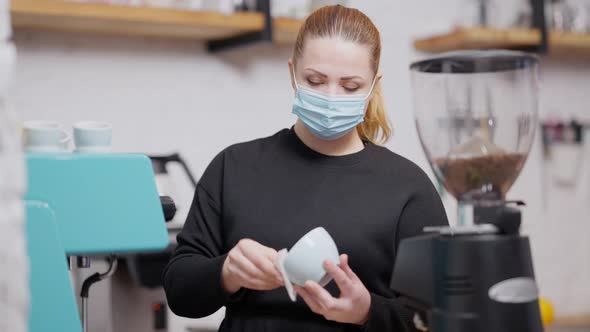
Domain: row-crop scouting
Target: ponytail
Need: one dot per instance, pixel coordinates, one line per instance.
(376, 128)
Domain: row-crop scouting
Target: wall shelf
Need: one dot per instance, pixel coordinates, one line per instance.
(485, 38)
(285, 30)
(84, 17)
(580, 321)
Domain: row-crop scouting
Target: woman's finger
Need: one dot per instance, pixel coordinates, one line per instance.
(260, 256)
(273, 258)
(309, 300)
(258, 285)
(339, 276)
(266, 264)
(247, 267)
(346, 268)
(278, 272)
(252, 283)
(321, 296)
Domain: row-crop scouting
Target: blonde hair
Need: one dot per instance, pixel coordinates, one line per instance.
(351, 25)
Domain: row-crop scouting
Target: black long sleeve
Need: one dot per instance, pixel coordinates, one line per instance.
(194, 273)
(424, 208)
(198, 250)
(274, 190)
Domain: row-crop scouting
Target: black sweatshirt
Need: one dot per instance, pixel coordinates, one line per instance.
(276, 189)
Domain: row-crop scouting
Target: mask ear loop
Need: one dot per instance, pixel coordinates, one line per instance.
(372, 87)
(295, 78)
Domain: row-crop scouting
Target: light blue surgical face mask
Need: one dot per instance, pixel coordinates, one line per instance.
(329, 117)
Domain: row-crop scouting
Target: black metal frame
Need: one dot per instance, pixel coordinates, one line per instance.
(540, 23)
(262, 6)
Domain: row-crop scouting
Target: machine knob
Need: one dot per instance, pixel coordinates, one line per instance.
(508, 220)
(169, 207)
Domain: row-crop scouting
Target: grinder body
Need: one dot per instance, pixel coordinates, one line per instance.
(472, 282)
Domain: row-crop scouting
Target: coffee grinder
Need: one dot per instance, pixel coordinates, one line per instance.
(476, 113)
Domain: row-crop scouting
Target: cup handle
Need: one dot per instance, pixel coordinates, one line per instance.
(280, 260)
(66, 139)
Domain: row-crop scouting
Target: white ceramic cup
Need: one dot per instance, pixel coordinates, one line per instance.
(93, 137)
(306, 258)
(44, 136)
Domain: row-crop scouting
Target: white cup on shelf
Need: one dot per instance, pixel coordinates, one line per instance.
(45, 137)
(93, 137)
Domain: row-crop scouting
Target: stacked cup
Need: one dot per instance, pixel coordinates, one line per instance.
(93, 136)
(50, 136)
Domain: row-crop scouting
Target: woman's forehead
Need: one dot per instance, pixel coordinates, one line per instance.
(336, 57)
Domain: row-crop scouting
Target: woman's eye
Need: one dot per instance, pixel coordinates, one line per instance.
(349, 89)
(313, 83)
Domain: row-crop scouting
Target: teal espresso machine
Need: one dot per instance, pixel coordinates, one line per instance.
(83, 205)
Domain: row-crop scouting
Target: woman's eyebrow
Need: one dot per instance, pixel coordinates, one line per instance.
(317, 72)
(345, 78)
(348, 78)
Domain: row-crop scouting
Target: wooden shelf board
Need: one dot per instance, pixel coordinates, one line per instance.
(285, 30)
(478, 38)
(485, 38)
(132, 21)
(582, 320)
(573, 44)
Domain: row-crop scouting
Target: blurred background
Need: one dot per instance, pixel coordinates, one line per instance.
(148, 68)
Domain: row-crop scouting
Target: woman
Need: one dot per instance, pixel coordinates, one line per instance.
(327, 170)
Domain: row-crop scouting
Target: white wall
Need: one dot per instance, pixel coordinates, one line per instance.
(165, 96)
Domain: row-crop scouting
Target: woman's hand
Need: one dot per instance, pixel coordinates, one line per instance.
(354, 302)
(250, 265)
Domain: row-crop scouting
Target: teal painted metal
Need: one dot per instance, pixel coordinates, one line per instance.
(53, 305)
(103, 203)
